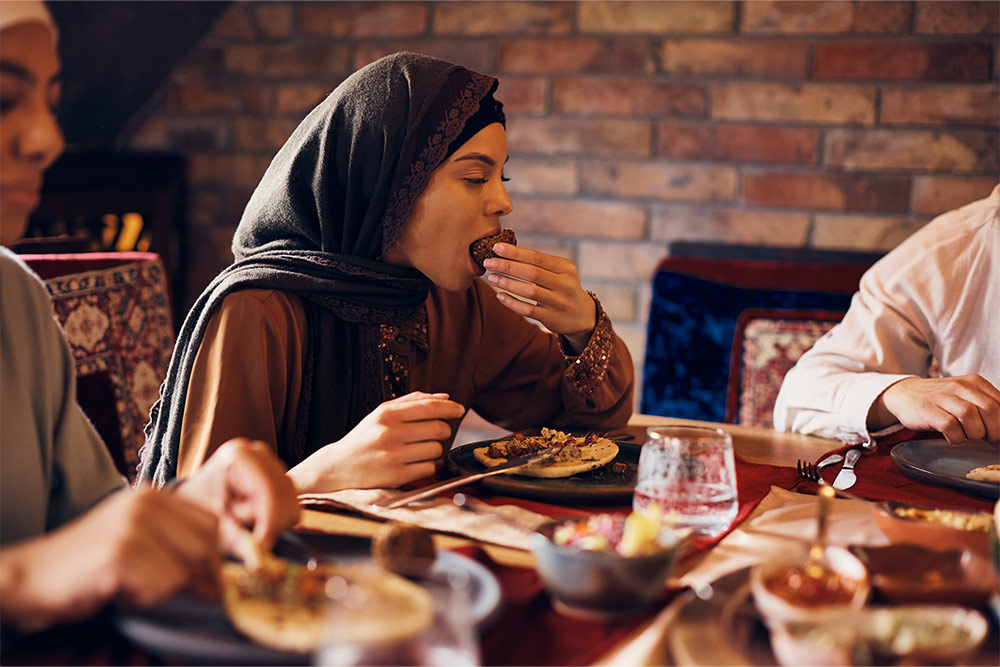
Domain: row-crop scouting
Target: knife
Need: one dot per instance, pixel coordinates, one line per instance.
(846, 478)
(438, 487)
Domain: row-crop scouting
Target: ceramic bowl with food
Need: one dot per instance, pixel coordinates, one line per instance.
(793, 589)
(909, 573)
(923, 634)
(587, 576)
(815, 644)
(936, 528)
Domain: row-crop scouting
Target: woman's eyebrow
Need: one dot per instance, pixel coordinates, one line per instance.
(482, 157)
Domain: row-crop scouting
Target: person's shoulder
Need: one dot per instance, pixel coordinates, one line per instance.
(958, 225)
(20, 283)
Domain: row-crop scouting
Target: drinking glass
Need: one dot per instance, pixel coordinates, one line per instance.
(450, 639)
(689, 470)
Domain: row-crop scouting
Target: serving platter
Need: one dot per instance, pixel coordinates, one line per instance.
(197, 631)
(940, 462)
(597, 487)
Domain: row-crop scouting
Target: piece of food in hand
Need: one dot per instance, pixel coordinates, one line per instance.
(404, 548)
(284, 605)
(572, 454)
(990, 473)
(482, 249)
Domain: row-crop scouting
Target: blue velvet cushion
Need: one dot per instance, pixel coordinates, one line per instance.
(690, 338)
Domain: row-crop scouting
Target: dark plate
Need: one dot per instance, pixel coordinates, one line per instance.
(940, 462)
(597, 487)
(183, 628)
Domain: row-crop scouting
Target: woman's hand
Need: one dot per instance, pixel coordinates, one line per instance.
(398, 442)
(553, 282)
(136, 547)
(244, 484)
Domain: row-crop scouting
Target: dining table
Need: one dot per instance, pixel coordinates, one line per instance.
(776, 507)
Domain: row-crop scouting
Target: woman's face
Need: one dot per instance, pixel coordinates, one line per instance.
(30, 139)
(463, 202)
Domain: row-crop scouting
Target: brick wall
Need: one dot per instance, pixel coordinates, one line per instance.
(632, 124)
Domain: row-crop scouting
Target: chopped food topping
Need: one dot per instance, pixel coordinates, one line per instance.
(637, 534)
(973, 521)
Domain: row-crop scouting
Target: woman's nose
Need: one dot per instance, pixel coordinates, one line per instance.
(503, 204)
(41, 141)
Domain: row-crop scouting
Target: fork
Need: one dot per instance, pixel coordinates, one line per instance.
(810, 471)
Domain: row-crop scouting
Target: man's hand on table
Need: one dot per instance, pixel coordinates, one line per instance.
(961, 408)
(244, 484)
(398, 442)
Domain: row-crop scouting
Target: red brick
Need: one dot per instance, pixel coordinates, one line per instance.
(731, 57)
(273, 19)
(745, 143)
(957, 18)
(548, 177)
(656, 18)
(729, 225)
(523, 95)
(936, 194)
(579, 218)
(206, 207)
(234, 24)
(208, 169)
(806, 103)
(550, 245)
(502, 18)
(618, 301)
(362, 19)
(620, 261)
(192, 95)
(476, 55)
(300, 97)
(824, 18)
(626, 97)
(945, 105)
(855, 232)
(942, 61)
(959, 150)
(261, 134)
(323, 60)
(196, 134)
(832, 191)
(660, 180)
(581, 136)
(626, 55)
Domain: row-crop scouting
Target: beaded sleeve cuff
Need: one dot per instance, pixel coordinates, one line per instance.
(586, 371)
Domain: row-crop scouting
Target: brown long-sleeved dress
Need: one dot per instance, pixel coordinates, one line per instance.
(247, 374)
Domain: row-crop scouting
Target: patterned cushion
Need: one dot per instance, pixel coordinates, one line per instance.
(766, 345)
(120, 330)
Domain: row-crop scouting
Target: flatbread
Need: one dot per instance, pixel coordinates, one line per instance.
(574, 458)
(990, 473)
(289, 613)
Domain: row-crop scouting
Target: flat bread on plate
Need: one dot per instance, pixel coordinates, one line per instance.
(283, 605)
(575, 454)
(990, 473)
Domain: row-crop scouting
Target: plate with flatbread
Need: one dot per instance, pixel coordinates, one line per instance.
(250, 629)
(588, 468)
(966, 466)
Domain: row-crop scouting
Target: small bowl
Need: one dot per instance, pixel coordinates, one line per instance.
(929, 634)
(776, 609)
(909, 573)
(931, 534)
(812, 644)
(599, 584)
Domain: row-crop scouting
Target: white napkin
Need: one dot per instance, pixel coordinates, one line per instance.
(506, 525)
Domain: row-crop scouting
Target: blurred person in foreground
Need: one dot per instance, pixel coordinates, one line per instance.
(72, 535)
(934, 297)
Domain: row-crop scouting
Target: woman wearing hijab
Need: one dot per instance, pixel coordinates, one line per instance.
(352, 330)
(73, 535)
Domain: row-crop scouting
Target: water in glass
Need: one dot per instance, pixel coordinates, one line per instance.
(689, 470)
